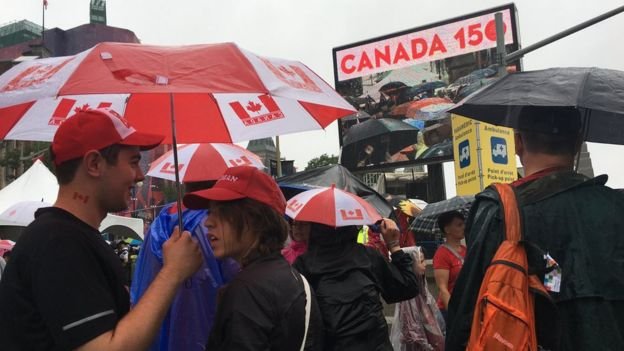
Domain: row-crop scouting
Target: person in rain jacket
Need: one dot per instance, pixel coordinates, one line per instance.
(575, 220)
(189, 320)
(348, 279)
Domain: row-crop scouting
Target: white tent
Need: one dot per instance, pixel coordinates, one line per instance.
(38, 187)
(36, 184)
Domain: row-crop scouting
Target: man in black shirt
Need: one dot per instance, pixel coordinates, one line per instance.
(64, 288)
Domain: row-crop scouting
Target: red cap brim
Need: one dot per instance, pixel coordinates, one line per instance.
(144, 141)
(201, 199)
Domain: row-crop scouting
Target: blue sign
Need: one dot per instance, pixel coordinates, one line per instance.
(464, 154)
(499, 150)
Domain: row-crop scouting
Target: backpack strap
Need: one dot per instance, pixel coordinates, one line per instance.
(308, 308)
(510, 211)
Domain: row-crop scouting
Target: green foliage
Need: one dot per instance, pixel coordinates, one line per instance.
(323, 160)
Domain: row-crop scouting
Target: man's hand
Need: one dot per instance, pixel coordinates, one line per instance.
(182, 256)
(390, 232)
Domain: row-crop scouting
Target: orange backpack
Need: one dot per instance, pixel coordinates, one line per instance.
(504, 317)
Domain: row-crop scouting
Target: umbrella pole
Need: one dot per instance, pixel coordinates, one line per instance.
(584, 132)
(175, 163)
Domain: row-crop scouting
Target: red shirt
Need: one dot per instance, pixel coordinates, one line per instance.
(445, 259)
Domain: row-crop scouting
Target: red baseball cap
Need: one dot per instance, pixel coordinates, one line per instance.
(95, 129)
(238, 183)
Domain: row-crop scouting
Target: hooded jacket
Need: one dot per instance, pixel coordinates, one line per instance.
(348, 279)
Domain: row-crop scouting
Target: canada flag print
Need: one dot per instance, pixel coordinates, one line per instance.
(264, 109)
(332, 207)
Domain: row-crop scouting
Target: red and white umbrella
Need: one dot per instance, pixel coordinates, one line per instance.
(201, 162)
(217, 92)
(332, 207)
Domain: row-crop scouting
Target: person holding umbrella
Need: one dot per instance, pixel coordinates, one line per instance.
(64, 288)
(268, 305)
(190, 318)
(568, 220)
(349, 278)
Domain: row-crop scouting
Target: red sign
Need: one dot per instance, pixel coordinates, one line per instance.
(448, 40)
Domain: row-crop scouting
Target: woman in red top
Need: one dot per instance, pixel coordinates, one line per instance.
(449, 258)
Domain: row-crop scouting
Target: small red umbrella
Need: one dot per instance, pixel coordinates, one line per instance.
(332, 207)
(201, 162)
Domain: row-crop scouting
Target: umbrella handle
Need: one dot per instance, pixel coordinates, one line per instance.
(175, 163)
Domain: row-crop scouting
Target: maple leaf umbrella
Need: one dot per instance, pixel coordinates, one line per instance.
(332, 207)
(191, 94)
(201, 162)
(217, 92)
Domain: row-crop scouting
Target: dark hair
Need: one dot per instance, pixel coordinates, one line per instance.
(550, 130)
(66, 171)
(321, 234)
(551, 144)
(447, 217)
(270, 227)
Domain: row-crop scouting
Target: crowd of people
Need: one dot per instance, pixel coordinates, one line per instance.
(228, 281)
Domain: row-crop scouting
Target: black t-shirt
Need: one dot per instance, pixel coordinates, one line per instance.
(63, 287)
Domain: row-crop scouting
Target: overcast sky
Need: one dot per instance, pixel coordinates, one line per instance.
(308, 30)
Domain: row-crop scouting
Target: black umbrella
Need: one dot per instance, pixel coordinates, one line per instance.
(597, 93)
(426, 222)
(333, 174)
(370, 142)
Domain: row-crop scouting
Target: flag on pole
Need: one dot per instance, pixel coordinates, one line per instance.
(45, 4)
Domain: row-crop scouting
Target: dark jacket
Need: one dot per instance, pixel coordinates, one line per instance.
(348, 279)
(579, 222)
(263, 308)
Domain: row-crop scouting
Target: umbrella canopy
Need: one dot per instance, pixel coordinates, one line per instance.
(218, 92)
(341, 178)
(426, 222)
(332, 207)
(598, 93)
(202, 162)
(375, 140)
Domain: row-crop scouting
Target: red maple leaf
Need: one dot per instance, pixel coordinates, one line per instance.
(253, 106)
(82, 108)
(286, 70)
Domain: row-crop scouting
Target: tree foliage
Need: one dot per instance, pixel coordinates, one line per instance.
(323, 160)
